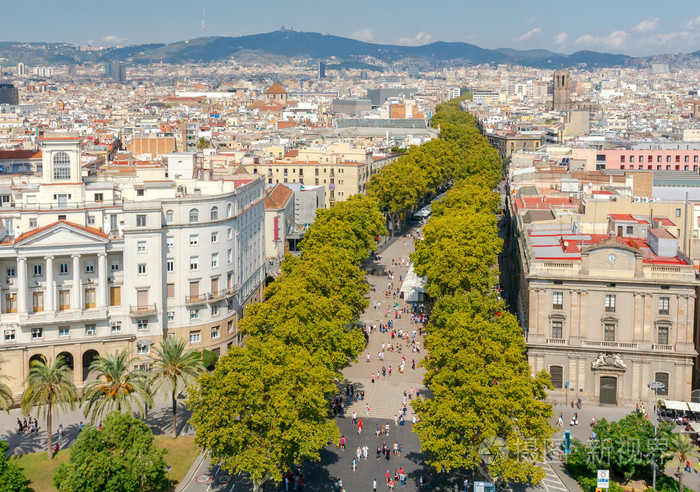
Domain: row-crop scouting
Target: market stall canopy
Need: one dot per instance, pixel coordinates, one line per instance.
(694, 407)
(413, 287)
(675, 405)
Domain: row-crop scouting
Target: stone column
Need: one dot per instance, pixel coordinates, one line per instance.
(583, 313)
(102, 280)
(21, 285)
(638, 316)
(75, 294)
(49, 303)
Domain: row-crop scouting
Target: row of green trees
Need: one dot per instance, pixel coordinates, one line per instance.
(485, 403)
(49, 386)
(265, 407)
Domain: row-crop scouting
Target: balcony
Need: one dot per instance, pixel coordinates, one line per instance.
(196, 299)
(662, 348)
(557, 341)
(142, 310)
(221, 294)
(613, 345)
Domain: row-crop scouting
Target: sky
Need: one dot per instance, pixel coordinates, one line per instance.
(632, 27)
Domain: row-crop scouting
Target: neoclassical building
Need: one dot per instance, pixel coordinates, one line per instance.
(91, 262)
(607, 315)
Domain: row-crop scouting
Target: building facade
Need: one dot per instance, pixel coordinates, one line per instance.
(91, 263)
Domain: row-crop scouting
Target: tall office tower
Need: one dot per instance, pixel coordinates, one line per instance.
(118, 72)
(363, 75)
(321, 70)
(21, 69)
(9, 94)
(108, 70)
(562, 91)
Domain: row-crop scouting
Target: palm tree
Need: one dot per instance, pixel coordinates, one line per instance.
(174, 369)
(5, 392)
(49, 386)
(117, 387)
(680, 450)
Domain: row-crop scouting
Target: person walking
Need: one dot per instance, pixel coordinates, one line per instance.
(354, 464)
(374, 485)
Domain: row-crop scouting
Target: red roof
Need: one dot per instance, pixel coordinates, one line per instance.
(19, 154)
(622, 217)
(277, 197)
(91, 230)
(275, 89)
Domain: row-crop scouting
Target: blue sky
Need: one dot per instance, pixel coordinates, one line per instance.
(634, 27)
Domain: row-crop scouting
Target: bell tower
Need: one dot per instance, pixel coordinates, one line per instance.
(562, 91)
(60, 158)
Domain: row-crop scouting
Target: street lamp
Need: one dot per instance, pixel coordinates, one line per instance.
(168, 468)
(143, 345)
(656, 386)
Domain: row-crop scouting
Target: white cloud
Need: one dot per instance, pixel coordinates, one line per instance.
(586, 40)
(693, 23)
(616, 40)
(365, 34)
(561, 38)
(647, 25)
(529, 35)
(112, 39)
(419, 39)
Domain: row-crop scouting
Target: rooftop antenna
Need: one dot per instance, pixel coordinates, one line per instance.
(204, 21)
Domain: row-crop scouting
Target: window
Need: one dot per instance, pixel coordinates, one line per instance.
(89, 330)
(663, 305)
(229, 233)
(32, 223)
(143, 349)
(229, 256)
(194, 215)
(229, 327)
(37, 270)
(115, 296)
(214, 237)
(140, 192)
(170, 241)
(89, 298)
(11, 272)
(141, 247)
(60, 217)
(63, 268)
(37, 333)
(195, 337)
(631, 158)
(171, 316)
(678, 212)
(194, 313)
(142, 325)
(99, 197)
(63, 331)
(662, 334)
(630, 230)
(557, 375)
(140, 221)
(557, 329)
(116, 326)
(194, 239)
(668, 158)
(89, 267)
(10, 335)
(63, 300)
(194, 262)
(11, 303)
(142, 269)
(609, 332)
(229, 208)
(214, 214)
(114, 266)
(609, 303)
(170, 265)
(215, 310)
(171, 290)
(557, 300)
(214, 332)
(37, 302)
(214, 260)
(662, 377)
(61, 166)
(169, 216)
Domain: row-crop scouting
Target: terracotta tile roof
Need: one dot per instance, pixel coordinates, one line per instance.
(19, 154)
(277, 197)
(275, 89)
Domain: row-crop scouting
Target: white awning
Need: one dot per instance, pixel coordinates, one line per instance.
(695, 426)
(694, 407)
(413, 286)
(675, 405)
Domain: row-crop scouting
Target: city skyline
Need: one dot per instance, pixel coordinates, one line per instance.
(651, 29)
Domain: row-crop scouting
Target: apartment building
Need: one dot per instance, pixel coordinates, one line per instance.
(91, 263)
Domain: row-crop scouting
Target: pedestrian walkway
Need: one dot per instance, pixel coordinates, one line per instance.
(385, 395)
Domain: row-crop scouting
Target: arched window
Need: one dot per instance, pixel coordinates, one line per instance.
(61, 165)
(557, 374)
(194, 215)
(214, 214)
(169, 216)
(229, 210)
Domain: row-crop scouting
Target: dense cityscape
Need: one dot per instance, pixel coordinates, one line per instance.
(294, 261)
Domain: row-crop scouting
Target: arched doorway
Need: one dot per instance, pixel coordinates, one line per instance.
(88, 357)
(68, 359)
(36, 357)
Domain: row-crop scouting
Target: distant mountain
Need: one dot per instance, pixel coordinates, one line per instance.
(279, 46)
